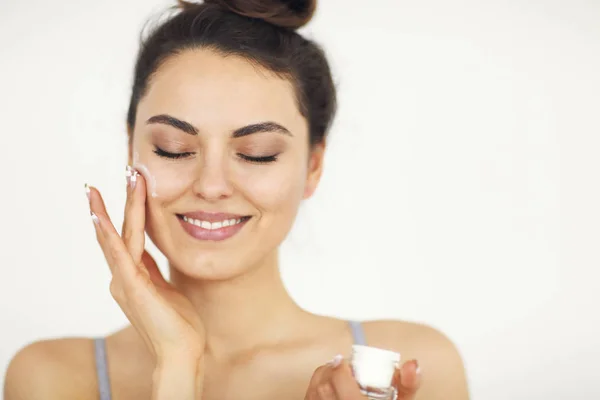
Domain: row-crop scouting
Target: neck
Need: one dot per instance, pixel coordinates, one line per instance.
(242, 313)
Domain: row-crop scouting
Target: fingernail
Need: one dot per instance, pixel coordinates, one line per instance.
(417, 368)
(336, 361)
(87, 191)
(131, 175)
(95, 218)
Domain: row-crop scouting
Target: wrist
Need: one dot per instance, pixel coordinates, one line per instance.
(179, 377)
(169, 360)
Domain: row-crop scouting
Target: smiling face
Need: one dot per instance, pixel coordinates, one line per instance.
(225, 153)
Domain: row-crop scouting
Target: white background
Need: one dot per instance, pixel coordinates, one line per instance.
(461, 186)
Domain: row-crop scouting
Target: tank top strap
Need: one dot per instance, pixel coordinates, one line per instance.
(102, 368)
(358, 334)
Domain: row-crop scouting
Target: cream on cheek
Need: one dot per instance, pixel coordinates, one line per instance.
(165, 180)
(148, 176)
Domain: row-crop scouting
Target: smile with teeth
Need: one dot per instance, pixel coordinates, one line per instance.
(212, 225)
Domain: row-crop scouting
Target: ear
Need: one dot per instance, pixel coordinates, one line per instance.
(315, 169)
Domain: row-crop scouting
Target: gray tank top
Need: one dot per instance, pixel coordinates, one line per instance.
(102, 363)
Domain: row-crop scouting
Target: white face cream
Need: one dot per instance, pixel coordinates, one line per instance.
(374, 370)
(150, 179)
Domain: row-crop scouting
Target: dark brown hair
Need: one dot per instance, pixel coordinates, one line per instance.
(261, 31)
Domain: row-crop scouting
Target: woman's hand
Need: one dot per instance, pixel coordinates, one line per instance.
(335, 381)
(164, 318)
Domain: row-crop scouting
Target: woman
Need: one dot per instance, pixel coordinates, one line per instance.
(227, 124)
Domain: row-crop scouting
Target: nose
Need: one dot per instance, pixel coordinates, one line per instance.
(212, 179)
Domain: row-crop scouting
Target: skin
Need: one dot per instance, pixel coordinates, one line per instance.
(223, 326)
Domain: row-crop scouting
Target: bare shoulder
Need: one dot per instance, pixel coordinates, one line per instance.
(52, 369)
(414, 339)
(440, 361)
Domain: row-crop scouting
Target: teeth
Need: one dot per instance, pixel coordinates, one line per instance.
(214, 225)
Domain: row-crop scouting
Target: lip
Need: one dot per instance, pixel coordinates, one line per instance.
(220, 234)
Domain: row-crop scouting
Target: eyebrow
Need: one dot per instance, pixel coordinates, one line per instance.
(243, 131)
(174, 122)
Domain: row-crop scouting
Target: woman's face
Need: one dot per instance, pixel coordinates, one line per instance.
(224, 150)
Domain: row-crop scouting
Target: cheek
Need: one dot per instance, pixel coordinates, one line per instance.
(164, 180)
(274, 188)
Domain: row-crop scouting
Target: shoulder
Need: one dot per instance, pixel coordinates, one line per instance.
(408, 336)
(52, 369)
(439, 359)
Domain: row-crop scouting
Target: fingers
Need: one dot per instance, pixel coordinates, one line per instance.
(315, 381)
(134, 222)
(407, 380)
(321, 372)
(325, 391)
(334, 381)
(113, 247)
(97, 207)
(344, 384)
(134, 225)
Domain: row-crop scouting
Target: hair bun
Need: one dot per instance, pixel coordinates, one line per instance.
(291, 14)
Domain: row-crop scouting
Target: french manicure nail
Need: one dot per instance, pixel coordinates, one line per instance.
(95, 218)
(418, 368)
(87, 191)
(131, 175)
(133, 180)
(336, 361)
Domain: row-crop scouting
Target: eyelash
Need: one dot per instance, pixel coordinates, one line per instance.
(175, 156)
(258, 160)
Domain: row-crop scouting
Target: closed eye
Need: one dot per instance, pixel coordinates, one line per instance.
(174, 156)
(165, 154)
(258, 160)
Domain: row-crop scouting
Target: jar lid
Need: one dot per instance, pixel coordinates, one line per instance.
(375, 353)
(374, 367)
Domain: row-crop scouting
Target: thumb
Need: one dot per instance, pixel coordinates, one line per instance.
(407, 380)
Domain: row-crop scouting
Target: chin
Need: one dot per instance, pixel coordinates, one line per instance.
(210, 266)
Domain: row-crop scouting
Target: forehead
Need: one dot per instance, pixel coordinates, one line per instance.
(219, 92)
